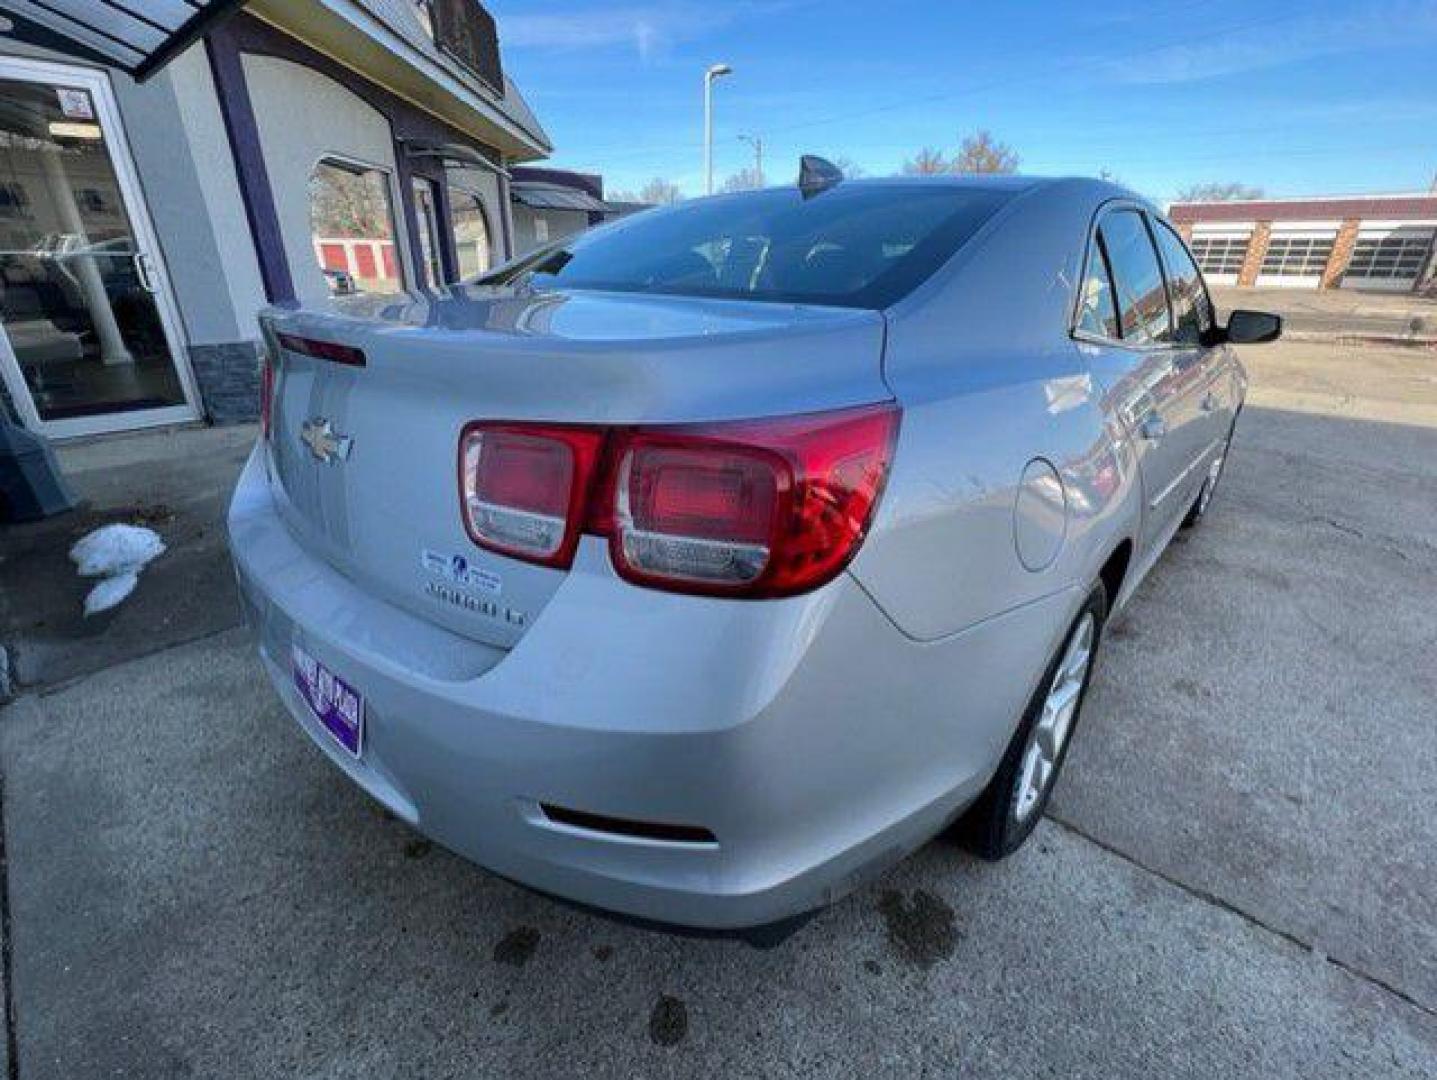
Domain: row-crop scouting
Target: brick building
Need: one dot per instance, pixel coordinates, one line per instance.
(1379, 242)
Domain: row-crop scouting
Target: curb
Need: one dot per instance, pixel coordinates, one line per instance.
(1413, 341)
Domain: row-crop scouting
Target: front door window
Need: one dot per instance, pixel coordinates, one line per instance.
(77, 294)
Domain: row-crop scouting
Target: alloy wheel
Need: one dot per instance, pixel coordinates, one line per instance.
(1055, 723)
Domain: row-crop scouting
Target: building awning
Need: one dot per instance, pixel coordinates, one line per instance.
(139, 39)
(450, 154)
(553, 197)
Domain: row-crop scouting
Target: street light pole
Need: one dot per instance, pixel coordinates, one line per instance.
(716, 71)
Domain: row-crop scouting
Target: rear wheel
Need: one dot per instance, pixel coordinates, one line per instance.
(1209, 485)
(1009, 808)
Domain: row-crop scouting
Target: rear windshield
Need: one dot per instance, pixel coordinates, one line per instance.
(853, 246)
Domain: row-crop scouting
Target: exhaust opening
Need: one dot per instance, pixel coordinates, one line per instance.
(642, 830)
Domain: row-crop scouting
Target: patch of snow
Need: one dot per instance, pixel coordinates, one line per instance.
(111, 591)
(116, 553)
(116, 549)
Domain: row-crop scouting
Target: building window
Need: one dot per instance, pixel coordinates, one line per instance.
(352, 225)
(1297, 256)
(1398, 255)
(471, 232)
(427, 214)
(1220, 255)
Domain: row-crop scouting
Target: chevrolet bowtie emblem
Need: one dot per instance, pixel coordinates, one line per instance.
(323, 441)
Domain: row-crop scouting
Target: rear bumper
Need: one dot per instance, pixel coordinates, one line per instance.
(816, 742)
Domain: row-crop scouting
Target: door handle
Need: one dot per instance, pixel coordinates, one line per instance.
(142, 271)
(1153, 427)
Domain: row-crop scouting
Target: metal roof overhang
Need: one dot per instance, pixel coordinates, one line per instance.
(137, 38)
(553, 197)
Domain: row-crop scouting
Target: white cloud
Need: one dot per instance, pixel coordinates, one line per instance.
(650, 29)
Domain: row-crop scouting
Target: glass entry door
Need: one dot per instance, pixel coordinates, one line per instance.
(87, 337)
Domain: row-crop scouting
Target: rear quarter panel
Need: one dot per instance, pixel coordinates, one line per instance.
(990, 382)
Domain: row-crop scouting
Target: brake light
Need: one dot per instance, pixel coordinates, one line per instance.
(266, 395)
(523, 487)
(759, 508)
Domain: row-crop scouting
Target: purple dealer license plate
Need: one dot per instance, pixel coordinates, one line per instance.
(334, 703)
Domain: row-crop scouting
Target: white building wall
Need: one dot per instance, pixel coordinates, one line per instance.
(304, 117)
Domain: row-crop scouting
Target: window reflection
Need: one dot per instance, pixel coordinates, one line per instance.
(352, 225)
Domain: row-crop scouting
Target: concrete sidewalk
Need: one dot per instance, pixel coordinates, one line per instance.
(1338, 313)
(195, 891)
(177, 482)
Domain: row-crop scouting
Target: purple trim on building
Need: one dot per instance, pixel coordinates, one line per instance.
(243, 132)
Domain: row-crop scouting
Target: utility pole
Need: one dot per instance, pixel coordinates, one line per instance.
(757, 142)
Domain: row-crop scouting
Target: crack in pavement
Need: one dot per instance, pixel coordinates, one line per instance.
(1212, 898)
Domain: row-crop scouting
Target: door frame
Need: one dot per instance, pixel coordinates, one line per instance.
(107, 115)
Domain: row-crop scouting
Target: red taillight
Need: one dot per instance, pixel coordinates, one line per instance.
(759, 508)
(754, 509)
(523, 487)
(266, 395)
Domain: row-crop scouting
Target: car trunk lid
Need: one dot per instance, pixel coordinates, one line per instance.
(363, 451)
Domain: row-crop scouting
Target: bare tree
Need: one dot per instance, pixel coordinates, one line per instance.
(928, 162)
(1229, 191)
(657, 192)
(850, 169)
(981, 153)
(743, 180)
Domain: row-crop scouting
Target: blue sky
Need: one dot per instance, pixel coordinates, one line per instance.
(1297, 98)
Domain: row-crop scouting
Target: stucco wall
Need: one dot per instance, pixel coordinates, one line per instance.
(304, 116)
(560, 223)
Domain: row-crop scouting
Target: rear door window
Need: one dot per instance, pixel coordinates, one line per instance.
(1137, 279)
(1192, 310)
(1098, 309)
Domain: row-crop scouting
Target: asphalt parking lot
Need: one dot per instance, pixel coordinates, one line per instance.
(1238, 877)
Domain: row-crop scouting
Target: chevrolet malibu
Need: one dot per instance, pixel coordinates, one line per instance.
(701, 566)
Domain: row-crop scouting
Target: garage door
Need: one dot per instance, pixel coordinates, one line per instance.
(1220, 252)
(1297, 257)
(1389, 257)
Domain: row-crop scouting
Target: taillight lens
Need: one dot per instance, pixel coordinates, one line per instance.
(266, 395)
(758, 508)
(761, 508)
(524, 487)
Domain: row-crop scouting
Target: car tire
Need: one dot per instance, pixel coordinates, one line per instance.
(1209, 485)
(1010, 806)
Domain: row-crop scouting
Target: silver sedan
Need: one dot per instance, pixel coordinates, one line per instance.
(699, 567)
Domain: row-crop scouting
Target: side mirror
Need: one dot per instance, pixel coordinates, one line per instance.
(1252, 327)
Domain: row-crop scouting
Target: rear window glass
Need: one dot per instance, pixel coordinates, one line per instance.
(854, 246)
